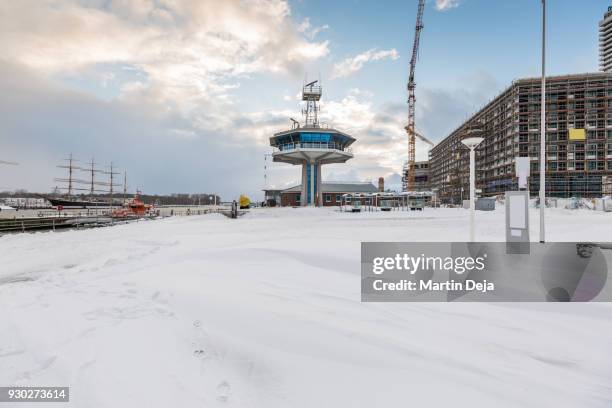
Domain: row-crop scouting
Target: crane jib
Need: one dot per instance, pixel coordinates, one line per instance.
(409, 175)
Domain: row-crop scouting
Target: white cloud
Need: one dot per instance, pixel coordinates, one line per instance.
(309, 30)
(188, 50)
(381, 140)
(443, 5)
(354, 64)
(173, 66)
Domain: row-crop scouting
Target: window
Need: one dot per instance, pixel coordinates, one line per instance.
(298, 198)
(327, 198)
(338, 198)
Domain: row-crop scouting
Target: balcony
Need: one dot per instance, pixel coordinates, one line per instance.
(312, 145)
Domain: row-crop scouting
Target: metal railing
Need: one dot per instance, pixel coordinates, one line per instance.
(312, 145)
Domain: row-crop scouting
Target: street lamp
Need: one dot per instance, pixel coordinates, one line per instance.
(542, 126)
(471, 143)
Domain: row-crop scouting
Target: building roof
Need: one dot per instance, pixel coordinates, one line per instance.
(338, 188)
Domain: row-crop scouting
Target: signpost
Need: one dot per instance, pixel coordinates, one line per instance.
(517, 210)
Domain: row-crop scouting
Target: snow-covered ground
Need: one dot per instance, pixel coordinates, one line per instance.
(265, 311)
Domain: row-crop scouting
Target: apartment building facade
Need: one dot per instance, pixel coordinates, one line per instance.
(578, 140)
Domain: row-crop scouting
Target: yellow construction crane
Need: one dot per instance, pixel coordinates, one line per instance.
(409, 176)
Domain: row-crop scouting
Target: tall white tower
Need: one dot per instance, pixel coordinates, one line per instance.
(311, 146)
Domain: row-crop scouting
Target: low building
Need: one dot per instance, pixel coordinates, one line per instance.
(26, 202)
(272, 197)
(331, 193)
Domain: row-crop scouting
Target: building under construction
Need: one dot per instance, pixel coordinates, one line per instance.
(421, 181)
(605, 42)
(578, 133)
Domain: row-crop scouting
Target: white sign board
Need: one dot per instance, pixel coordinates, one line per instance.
(522, 168)
(517, 222)
(517, 207)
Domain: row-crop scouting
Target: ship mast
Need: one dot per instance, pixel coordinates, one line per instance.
(124, 185)
(112, 183)
(70, 180)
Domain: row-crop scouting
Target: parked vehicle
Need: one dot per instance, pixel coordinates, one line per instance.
(386, 205)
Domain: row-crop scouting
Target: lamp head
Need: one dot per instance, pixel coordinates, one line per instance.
(472, 142)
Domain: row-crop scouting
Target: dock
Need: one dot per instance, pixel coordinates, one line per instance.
(46, 219)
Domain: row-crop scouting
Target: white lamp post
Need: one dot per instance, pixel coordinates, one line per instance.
(542, 126)
(471, 143)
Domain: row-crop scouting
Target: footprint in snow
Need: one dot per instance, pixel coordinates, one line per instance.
(223, 391)
(200, 341)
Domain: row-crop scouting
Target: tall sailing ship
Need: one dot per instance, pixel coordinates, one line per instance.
(73, 184)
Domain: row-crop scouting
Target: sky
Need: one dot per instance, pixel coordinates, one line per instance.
(184, 94)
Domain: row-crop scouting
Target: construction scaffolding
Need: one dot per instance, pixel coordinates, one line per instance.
(576, 166)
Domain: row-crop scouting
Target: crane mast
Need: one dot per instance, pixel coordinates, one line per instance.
(409, 177)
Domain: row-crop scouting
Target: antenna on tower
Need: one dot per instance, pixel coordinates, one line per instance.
(311, 93)
(295, 124)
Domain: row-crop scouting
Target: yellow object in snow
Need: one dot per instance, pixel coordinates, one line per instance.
(577, 134)
(244, 201)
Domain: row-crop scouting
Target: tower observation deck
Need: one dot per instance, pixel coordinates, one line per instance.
(311, 146)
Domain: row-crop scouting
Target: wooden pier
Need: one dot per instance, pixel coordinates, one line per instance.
(51, 223)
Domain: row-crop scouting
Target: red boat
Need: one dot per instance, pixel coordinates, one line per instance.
(133, 208)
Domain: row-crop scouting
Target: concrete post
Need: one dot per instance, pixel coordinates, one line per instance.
(304, 194)
(319, 191)
(312, 184)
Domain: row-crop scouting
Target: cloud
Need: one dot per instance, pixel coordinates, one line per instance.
(156, 78)
(443, 5)
(353, 64)
(439, 111)
(309, 30)
(381, 144)
(186, 49)
(157, 94)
